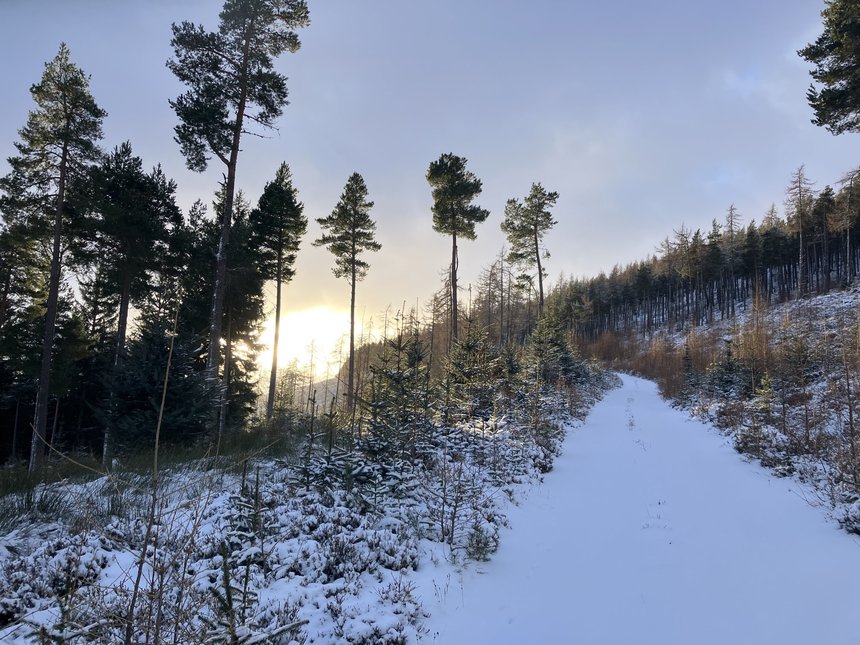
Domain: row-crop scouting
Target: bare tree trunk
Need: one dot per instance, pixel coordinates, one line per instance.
(15, 429)
(540, 275)
(122, 331)
(214, 355)
(273, 376)
(350, 382)
(454, 263)
(225, 399)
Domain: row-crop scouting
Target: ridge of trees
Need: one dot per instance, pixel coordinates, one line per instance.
(697, 277)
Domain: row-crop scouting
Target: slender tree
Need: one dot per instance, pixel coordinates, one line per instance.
(798, 203)
(348, 234)
(731, 240)
(232, 84)
(277, 228)
(453, 189)
(56, 144)
(836, 57)
(525, 224)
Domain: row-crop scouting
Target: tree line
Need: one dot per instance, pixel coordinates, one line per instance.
(697, 277)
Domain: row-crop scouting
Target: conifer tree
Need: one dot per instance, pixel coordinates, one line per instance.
(798, 204)
(232, 83)
(525, 224)
(244, 306)
(56, 144)
(836, 56)
(453, 189)
(349, 233)
(127, 234)
(277, 227)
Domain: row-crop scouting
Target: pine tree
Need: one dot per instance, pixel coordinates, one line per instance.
(231, 82)
(731, 242)
(127, 234)
(525, 224)
(348, 233)
(836, 56)
(453, 189)
(56, 144)
(798, 203)
(277, 227)
(244, 306)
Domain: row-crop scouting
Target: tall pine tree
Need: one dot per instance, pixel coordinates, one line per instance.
(60, 138)
(232, 84)
(453, 189)
(127, 234)
(277, 228)
(525, 224)
(348, 234)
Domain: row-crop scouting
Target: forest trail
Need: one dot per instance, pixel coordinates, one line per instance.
(651, 529)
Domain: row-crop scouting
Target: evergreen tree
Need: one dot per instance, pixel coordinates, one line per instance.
(836, 56)
(525, 224)
(127, 234)
(231, 81)
(348, 233)
(731, 242)
(277, 227)
(56, 144)
(244, 306)
(798, 203)
(453, 189)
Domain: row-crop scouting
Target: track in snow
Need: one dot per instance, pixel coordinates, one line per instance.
(651, 529)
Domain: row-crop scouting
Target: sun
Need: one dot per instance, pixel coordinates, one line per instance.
(313, 340)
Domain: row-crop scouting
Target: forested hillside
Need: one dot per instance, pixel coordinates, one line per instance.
(160, 483)
(696, 278)
(756, 326)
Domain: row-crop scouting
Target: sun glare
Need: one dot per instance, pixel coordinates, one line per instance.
(314, 340)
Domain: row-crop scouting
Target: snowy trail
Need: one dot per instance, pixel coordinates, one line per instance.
(653, 530)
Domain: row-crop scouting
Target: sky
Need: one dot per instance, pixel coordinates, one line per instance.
(643, 115)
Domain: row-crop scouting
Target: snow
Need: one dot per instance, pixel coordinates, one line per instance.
(652, 529)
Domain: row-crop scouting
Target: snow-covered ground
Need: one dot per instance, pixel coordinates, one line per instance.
(652, 529)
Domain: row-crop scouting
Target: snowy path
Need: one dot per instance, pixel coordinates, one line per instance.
(652, 530)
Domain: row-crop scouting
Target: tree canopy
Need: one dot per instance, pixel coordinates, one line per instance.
(836, 57)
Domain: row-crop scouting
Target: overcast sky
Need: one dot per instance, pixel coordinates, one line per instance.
(642, 114)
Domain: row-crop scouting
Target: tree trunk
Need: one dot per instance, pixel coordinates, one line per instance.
(15, 429)
(38, 445)
(225, 399)
(453, 288)
(350, 381)
(4, 296)
(214, 355)
(273, 376)
(122, 329)
(540, 275)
